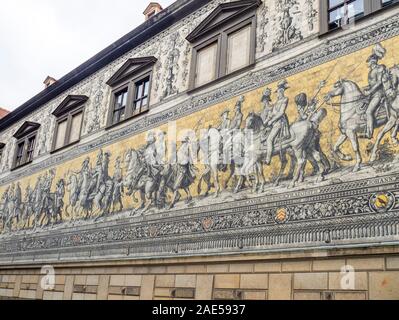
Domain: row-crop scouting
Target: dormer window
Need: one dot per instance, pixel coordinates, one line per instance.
(69, 122)
(224, 43)
(26, 143)
(131, 88)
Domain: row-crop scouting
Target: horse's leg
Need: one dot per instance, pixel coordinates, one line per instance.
(337, 148)
(262, 176)
(232, 170)
(293, 164)
(388, 127)
(395, 134)
(322, 170)
(284, 162)
(301, 162)
(239, 184)
(214, 171)
(189, 197)
(314, 163)
(149, 195)
(176, 198)
(355, 145)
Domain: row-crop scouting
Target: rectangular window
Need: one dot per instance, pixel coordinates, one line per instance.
(141, 98)
(31, 149)
(76, 125)
(131, 90)
(20, 154)
(238, 49)
(206, 64)
(61, 134)
(120, 106)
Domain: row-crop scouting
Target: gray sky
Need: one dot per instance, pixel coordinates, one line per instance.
(52, 37)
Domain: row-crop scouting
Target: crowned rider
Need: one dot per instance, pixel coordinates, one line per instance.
(278, 120)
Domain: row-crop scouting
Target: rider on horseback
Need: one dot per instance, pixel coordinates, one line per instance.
(278, 121)
(375, 90)
(150, 156)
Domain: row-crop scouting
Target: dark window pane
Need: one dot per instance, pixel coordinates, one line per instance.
(120, 106)
(31, 149)
(141, 97)
(20, 154)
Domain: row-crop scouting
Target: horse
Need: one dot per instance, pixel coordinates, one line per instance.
(353, 123)
(393, 104)
(138, 179)
(221, 153)
(300, 144)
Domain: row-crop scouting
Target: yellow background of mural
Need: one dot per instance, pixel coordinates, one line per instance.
(353, 67)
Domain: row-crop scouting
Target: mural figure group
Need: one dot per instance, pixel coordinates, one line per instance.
(152, 181)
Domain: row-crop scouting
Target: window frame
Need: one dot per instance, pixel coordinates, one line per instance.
(135, 89)
(130, 85)
(25, 140)
(68, 117)
(221, 36)
(370, 7)
(115, 92)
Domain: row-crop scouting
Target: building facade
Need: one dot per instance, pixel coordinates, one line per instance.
(221, 150)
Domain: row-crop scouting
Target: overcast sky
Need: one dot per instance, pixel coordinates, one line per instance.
(52, 37)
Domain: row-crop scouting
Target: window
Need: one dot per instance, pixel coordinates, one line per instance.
(26, 143)
(140, 103)
(337, 13)
(206, 64)
(119, 110)
(69, 122)
(2, 146)
(131, 90)
(239, 49)
(224, 43)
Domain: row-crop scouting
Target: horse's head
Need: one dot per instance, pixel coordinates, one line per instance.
(254, 122)
(338, 90)
(131, 158)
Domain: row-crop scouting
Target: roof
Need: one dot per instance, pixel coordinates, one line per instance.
(3, 113)
(172, 14)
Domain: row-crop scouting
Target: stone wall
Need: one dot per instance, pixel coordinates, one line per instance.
(314, 275)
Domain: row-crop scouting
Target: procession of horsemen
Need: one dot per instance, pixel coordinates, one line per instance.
(239, 147)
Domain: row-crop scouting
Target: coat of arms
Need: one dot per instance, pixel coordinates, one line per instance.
(282, 215)
(382, 202)
(207, 223)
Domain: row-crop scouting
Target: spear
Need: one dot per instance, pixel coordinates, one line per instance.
(322, 84)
